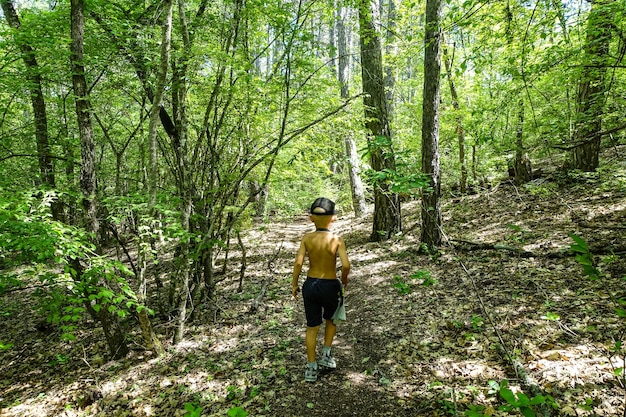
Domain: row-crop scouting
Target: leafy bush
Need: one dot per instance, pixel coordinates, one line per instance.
(71, 276)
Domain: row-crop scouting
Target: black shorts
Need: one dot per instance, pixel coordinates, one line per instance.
(321, 299)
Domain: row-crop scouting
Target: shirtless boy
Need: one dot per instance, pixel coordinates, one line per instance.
(321, 291)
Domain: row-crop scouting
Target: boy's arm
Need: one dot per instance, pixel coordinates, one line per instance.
(345, 262)
(297, 268)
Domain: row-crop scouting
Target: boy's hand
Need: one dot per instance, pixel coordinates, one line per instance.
(295, 289)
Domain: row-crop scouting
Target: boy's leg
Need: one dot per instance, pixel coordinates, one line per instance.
(329, 332)
(311, 342)
(327, 360)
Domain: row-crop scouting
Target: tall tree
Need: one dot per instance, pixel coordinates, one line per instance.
(112, 330)
(352, 157)
(521, 165)
(460, 133)
(592, 86)
(150, 338)
(431, 204)
(35, 85)
(387, 215)
(179, 146)
(390, 68)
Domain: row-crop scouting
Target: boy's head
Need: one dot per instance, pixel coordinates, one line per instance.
(323, 212)
(323, 206)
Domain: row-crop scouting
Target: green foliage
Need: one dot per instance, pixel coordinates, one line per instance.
(587, 405)
(584, 257)
(477, 323)
(237, 412)
(551, 316)
(519, 235)
(427, 279)
(519, 401)
(6, 346)
(545, 189)
(62, 259)
(474, 411)
(400, 285)
(403, 285)
(398, 182)
(193, 410)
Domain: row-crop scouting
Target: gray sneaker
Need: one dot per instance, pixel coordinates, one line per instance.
(310, 375)
(327, 361)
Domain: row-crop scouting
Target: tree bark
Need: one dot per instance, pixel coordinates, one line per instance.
(460, 134)
(352, 157)
(179, 98)
(390, 79)
(150, 338)
(592, 87)
(83, 114)
(522, 166)
(35, 85)
(431, 204)
(387, 215)
(112, 329)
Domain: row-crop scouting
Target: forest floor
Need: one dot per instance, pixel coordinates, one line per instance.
(422, 331)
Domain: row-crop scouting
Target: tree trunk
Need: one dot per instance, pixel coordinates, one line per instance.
(522, 167)
(592, 87)
(185, 189)
(387, 216)
(33, 76)
(185, 272)
(112, 329)
(390, 79)
(352, 157)
(431, 204)
(150, 339)
(459, 123)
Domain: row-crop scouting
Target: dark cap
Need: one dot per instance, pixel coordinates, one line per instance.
(323, 206)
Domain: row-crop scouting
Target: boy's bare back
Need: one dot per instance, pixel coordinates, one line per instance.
(323, 248)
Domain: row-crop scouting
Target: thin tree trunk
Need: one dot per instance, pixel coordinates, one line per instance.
(112, 329)
(431, 204)
(150, 338)
(523, 170)
(459, 123)
(352, 157)
(387, 217)
(179, 98)
(33, 76)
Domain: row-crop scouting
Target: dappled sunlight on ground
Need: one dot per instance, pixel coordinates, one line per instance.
(410, 347)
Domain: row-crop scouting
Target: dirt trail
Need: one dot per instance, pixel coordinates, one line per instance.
(359, 386)
(407, 349)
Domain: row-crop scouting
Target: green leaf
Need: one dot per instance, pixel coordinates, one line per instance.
(527, 412)
(494, 387)
(539, 399)
(580, 242)
(5, 347)
(522, 399)
(583, 259)
(508, 396)
(237, 412)
(551, 316)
